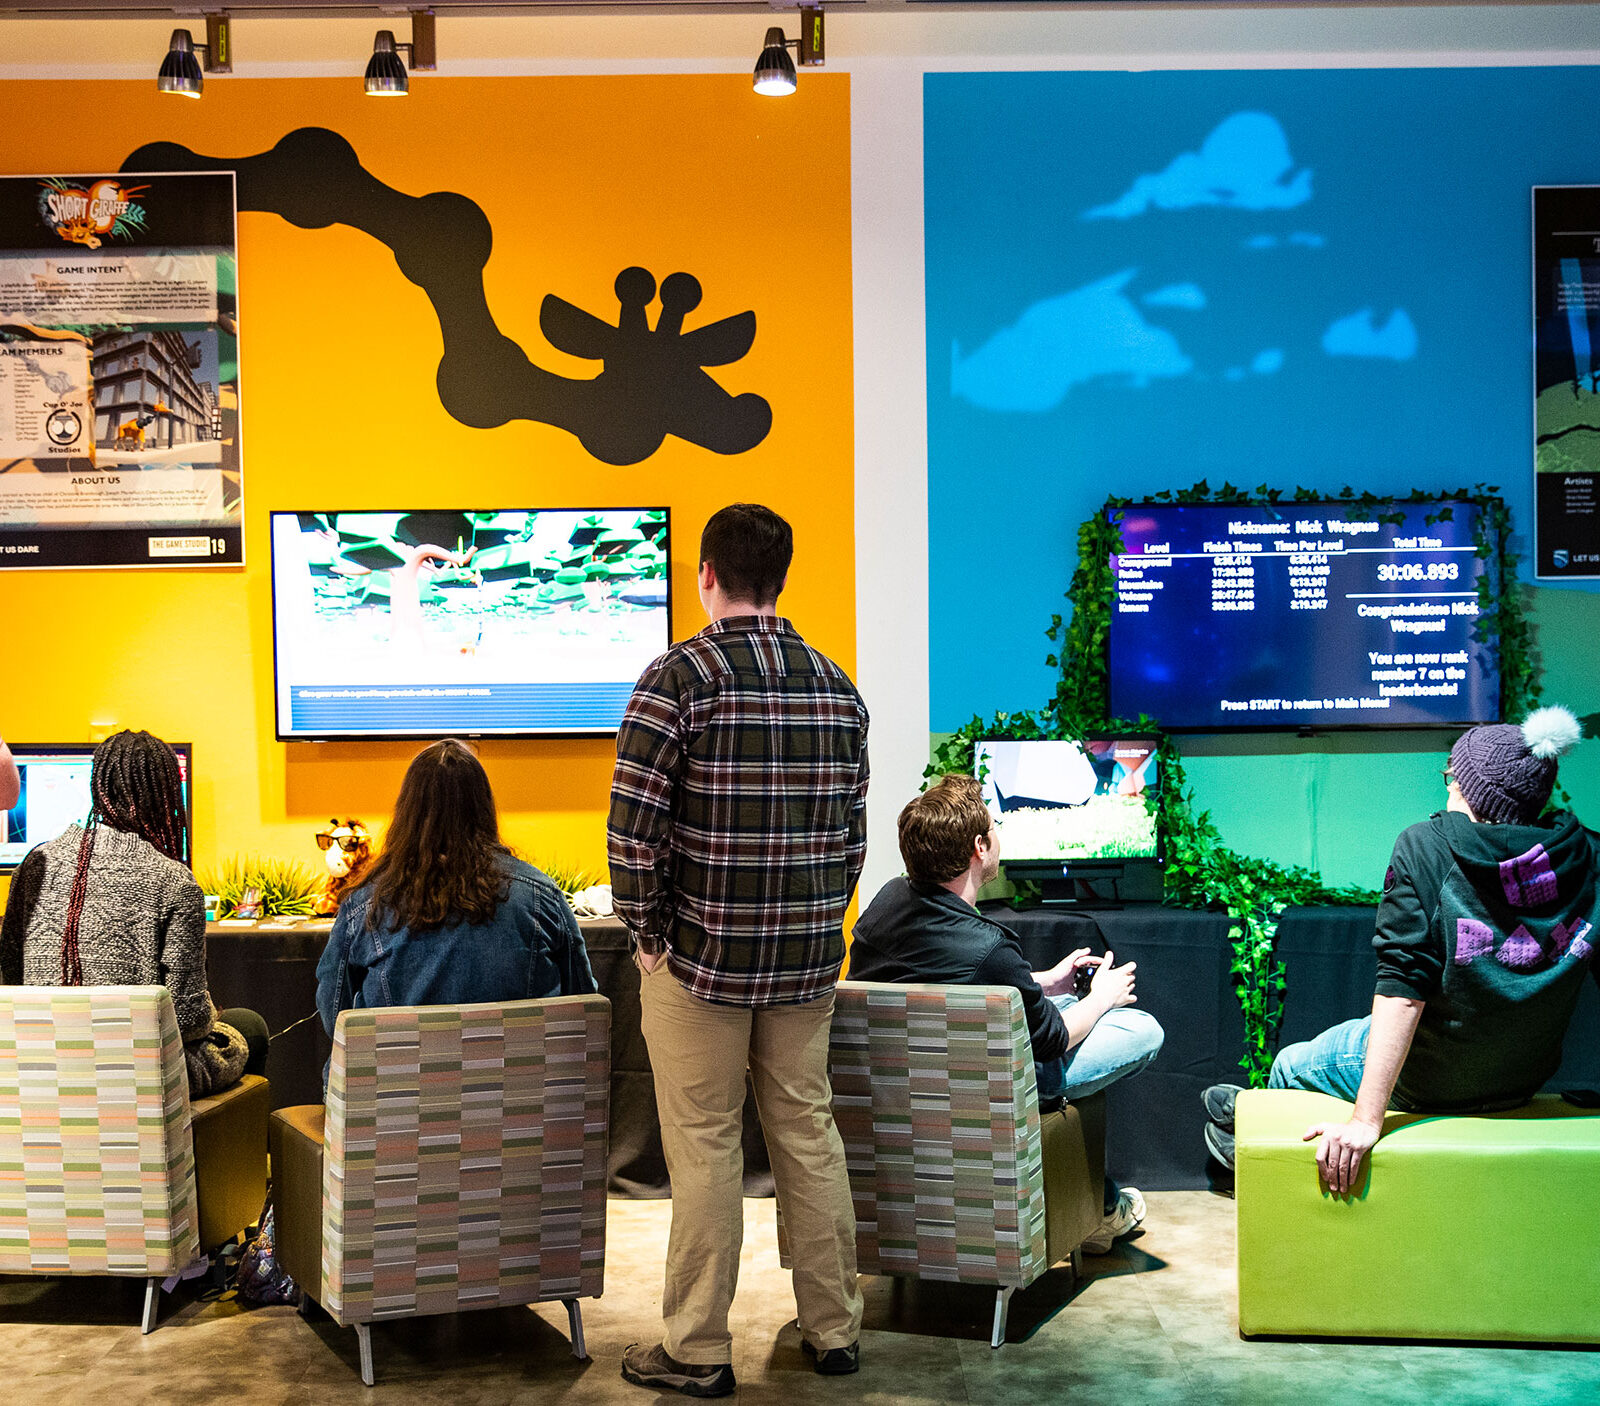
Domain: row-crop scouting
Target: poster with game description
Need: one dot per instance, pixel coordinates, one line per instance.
(119, 371)
(1566, 404)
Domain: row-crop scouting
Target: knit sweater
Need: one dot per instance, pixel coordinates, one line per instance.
(143, 924)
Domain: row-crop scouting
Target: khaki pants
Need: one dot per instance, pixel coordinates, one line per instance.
(700, 1052)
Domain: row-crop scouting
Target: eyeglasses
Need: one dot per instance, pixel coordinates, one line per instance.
(345, 842)
(1449, 777)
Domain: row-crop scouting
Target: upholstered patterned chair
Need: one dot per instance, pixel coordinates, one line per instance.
(955, 1174)
(98, 1168)
(460, 1163)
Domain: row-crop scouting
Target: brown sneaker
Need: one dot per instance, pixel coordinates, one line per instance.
(655, 1367)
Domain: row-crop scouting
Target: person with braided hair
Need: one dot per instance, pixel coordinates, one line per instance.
(110, 903)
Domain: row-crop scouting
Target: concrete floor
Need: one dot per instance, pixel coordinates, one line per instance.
(1154, 1322)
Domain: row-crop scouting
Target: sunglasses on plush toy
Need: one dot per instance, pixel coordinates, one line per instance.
(345, 842)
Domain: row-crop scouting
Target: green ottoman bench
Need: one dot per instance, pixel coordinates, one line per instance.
(1482, 1226)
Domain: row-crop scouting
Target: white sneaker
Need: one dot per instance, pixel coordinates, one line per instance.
(1125, 1218)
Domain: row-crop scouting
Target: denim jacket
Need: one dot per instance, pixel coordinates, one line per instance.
(531, 948)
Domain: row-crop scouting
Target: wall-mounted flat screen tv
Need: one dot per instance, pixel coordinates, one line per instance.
(1302, 615)
(55, 794)
(430, 623)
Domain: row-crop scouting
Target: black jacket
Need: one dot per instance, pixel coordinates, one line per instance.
(921, 932)
(1493, 926)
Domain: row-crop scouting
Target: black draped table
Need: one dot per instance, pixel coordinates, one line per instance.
(1154, 1122)
(272, 968)
(636, 1166)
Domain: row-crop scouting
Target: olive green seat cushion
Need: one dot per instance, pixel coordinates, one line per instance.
(1484, 1226)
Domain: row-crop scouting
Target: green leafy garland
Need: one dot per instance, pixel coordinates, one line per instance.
(1201, 871)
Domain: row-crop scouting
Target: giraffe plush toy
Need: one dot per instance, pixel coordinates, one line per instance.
(347, 851)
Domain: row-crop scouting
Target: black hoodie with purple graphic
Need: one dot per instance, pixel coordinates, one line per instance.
(1494, 926)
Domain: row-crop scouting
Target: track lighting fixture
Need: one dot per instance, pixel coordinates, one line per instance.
(180, 70)
(774, 76)
(386, 72)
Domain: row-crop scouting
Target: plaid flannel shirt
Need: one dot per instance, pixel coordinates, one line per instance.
(738, 813)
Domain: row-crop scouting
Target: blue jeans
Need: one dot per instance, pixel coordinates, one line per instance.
(1123, 1042)
(1330, 1064)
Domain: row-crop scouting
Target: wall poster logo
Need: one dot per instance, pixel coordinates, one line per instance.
(106, 209)
(64, 427)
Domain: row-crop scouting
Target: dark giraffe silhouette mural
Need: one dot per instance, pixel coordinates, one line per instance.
(652, 381)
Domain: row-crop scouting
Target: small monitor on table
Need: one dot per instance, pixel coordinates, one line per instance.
(1074, 814)
(55, 794)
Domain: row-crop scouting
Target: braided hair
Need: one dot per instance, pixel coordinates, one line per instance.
(136, 787)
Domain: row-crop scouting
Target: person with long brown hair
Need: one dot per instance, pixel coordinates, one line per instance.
(448, 914)
(111, 903)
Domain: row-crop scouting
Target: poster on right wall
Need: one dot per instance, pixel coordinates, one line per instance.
(1566, 373)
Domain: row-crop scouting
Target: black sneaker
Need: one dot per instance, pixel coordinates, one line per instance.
(1220, 1145)
(655, 1367)
(836, 1361)
(1218, 1101)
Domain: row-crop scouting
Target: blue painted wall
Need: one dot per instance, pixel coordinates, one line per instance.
(1136, 281)
(1140, 280)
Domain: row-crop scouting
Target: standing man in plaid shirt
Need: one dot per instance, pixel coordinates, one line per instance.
(737, 834)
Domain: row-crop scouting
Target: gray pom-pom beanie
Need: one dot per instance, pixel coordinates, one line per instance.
(1506, 772)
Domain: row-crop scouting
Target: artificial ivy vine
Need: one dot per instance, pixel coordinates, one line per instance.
(1202, 871)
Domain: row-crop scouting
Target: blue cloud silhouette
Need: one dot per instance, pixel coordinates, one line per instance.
(1176, 295)
(1243, 165)
(1090, 333)
(1264, 363)
(1303, 238)
(1359, 335)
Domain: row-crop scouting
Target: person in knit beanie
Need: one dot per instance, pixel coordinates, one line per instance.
(1506, 773)
(1485, 935)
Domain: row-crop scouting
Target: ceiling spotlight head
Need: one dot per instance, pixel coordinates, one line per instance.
(774, 69)
(180, 70)
(386, 73)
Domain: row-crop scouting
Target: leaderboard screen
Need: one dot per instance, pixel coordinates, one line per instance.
(1300, 615)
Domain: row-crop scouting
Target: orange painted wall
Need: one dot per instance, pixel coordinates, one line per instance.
(580, 178)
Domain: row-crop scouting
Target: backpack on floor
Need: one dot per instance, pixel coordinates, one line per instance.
(262, 1279)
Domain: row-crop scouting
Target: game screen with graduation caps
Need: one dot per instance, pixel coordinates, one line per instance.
(1089, 799)
(525, 622)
